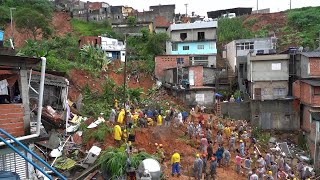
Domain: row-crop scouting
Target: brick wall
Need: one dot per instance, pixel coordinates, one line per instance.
(305, 93)
(166, 62)
(314, 66)
(84, 40)
(198, 75)
(11, 119)
(306, 119)
(296, 89)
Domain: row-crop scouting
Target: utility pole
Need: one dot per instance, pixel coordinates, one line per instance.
(11, 21)
(257, 6)
(290, 4)
(319, 41)
(186, 9)
(125, 74)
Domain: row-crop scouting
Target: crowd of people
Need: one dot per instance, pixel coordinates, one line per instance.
(216, 149)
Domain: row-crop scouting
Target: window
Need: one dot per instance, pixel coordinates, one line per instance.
(279, 91)
(316, 91)
(200, 46)
(185, 48)
(200, 36)
(245, 46)
(183, 36)
(174, 46)
(212, 45)
(276, 66)
(201, 58)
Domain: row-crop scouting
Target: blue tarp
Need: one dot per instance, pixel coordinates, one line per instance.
(1, 35)
(218, 95)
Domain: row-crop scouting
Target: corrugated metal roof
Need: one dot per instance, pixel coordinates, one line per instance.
(311, 54)
(312, 82)
(200, 25)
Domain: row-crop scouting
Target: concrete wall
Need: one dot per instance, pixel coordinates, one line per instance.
(212, 61)
(192, 34)
(231, 54)
(205, 97)
(11, 119)
(166, 62)
(209, 76)
(236, 110)
(267, 89)
(209, 47)
(125, 29)
(262, 70)
(275, 114)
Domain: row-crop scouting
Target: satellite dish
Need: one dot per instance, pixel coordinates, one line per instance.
(300, 49)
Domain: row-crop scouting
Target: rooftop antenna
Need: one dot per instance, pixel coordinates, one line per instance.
(186, 9)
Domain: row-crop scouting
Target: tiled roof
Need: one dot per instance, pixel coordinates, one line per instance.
(311, 54)
(95, 5)
(161, 22)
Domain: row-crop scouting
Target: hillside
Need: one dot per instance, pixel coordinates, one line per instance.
(60, 23)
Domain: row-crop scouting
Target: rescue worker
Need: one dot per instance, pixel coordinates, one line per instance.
(175, 162)
(209, 134)
(161, 153)
(117, 134)
(226, 157)
(204, 168)
(227, 131)
(268, 159)
(274, 169)
(241, 148)
(116, 105)
(269, 176)
(213, 168)
(210, 150)
(254, 176)
(125, 136)
(113, 115)
(219, 154)
(121, 116)
(238, 163)
(149, 121)
(247, 166)
(219, 139)
(197, 167)
(159, 120)
(204, 144)
(232, 143)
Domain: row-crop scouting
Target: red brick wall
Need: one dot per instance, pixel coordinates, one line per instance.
(314, 66)
(296, 89)
(306, 119)
(198, 75)
(305, 93)
(84, 40)
(166, 62)
(11, 119)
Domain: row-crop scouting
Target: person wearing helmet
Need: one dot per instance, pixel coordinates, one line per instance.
(269, 176)
(159, 120)
(204, 160)
(241, 148)
(197, 167)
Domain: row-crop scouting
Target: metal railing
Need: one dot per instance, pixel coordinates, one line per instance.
(30, 152)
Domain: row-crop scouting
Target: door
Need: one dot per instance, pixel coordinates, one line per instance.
(191, 77)
(257, 93)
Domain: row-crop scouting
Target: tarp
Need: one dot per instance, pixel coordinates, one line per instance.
(218, 95)
(5, 175)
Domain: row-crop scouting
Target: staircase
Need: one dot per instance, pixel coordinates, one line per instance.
(23, 156)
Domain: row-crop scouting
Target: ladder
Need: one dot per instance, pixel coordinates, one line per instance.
(218, 108)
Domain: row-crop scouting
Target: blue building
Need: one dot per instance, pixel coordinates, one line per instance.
(198, 40)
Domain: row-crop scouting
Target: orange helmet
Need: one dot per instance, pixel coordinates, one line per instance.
(213, 158)
(160, 145)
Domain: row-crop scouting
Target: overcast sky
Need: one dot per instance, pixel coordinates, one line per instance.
(201, 7)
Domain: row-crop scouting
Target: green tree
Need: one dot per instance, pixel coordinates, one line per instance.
(95, 56)
(31, 21)
(4, 16)
(132, 21)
